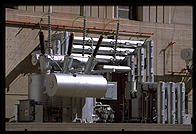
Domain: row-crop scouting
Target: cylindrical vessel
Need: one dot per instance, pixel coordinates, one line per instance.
(36, 87)
(59, 84)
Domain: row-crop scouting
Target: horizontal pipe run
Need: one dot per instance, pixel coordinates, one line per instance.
(105, 45)
(78, 27)
(116, 68)
(101, 52)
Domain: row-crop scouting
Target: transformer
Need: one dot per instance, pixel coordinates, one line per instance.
(75, 83)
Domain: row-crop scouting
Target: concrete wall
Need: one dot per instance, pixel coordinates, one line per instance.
(158, 14)
(168, 14)
(17, 48)
(93, 11)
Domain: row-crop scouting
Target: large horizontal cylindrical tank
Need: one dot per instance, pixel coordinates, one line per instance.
(64, 85)
(36, 87)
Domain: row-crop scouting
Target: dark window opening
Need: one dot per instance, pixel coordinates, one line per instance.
(128, 12)
(81, 10)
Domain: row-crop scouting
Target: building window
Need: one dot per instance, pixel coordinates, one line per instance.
(128, 12)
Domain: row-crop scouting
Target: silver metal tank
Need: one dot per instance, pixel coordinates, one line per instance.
(59, 84)
(36, 87)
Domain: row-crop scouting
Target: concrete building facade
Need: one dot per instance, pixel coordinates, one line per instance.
(167, 23)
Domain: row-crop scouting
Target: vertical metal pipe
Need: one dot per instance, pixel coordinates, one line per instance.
(66, 43)
(140, 67)
(169, 102)
(182, 86)
(128, 89)
(161, 103)
(173, 104)
(132, 68)
(140, 64)
(58, 47)
(129, 64)
(148, 61)
(150, 116)
(151, 61)
(179, 103)
(131, 74)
